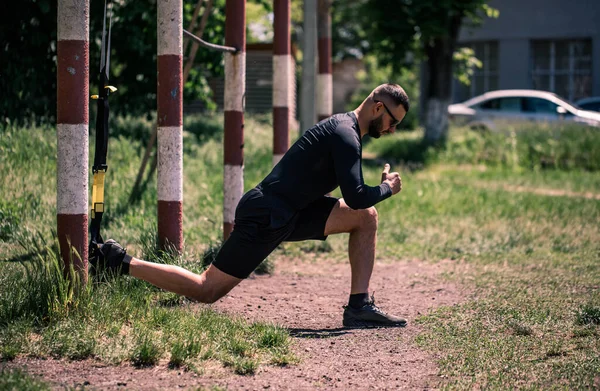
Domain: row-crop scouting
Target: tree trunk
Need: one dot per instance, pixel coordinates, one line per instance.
(437, 89)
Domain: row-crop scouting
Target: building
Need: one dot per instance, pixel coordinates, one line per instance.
(548, 45)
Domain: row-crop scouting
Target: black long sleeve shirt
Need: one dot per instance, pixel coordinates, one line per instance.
(328, 155)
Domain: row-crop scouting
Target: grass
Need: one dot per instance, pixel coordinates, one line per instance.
(16, 379)
(516, 211)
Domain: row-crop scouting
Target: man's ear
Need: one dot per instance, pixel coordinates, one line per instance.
(376, 108)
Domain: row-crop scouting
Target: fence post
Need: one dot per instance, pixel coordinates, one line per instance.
(72, 133)
(170, 123)
(282, 78)
(235, 88)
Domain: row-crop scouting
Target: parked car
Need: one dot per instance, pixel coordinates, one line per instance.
(487, 110)
(590, 104)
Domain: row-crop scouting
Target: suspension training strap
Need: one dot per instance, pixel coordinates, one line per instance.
(99, 168)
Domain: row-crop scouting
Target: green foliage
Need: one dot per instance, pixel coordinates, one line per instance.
(392, 29)
(259, 21)
(29, 80)
(348, 36)
(465, 63)
(28, 77)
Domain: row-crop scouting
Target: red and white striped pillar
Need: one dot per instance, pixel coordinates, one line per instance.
(235, 88)
(282, 79)
(72, 132)
(324, 79)
(170, 123)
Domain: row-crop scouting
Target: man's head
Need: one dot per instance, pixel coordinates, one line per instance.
(387, 106)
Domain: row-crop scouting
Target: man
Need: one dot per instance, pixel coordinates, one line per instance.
(290, 204)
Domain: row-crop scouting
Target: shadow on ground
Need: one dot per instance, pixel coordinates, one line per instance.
(317, 333)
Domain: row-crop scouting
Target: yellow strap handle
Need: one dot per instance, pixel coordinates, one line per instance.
(110, 88)
(98, 193)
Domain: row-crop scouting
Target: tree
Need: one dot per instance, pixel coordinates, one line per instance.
(402, 31)
(28, 57)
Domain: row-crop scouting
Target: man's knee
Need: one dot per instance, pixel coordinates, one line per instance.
(370, 218)
(208, 297)
(213, 285)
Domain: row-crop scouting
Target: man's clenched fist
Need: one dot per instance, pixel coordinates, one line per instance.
(392, 178)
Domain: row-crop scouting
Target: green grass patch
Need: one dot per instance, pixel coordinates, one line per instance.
(16, 379)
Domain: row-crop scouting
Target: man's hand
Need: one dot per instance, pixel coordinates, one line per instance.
(392, 178)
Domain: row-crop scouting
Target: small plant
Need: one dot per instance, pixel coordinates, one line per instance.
(238, 347)
(242, 366)
(555, 350)
(146, 353)
(584, 332)
(9, 221)
(8, 352)
(270, 336)
(183, 351)
(588, 314)
(520, 329)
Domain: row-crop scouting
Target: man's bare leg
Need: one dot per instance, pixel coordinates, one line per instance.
(361, 311)
(207, 287)
(362, 226)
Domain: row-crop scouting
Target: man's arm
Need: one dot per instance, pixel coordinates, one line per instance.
(346, 151)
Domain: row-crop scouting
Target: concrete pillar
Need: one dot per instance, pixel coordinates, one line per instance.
(282, 78)
(324, 79)
(72, 132)
(308, 113)
(235, 88)
(170, 123)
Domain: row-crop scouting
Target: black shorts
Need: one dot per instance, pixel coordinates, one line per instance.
(262, 222)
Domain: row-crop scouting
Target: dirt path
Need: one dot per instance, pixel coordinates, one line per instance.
(307, 299)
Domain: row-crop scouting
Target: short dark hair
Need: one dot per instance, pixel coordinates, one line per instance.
(395, 92)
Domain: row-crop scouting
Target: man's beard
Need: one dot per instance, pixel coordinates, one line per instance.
(375, 127)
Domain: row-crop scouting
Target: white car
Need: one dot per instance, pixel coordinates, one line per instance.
(487, 110)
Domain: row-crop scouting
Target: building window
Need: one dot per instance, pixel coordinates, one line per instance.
(484, 79)
(563, 67)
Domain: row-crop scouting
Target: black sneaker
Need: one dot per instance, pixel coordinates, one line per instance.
(370, 316)
(110, 257)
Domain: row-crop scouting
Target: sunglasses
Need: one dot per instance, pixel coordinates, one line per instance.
(396, 122)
